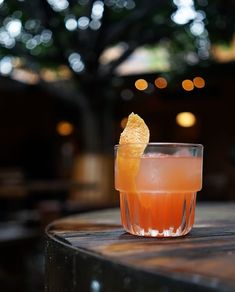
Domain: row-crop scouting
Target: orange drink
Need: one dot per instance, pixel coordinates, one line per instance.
(158, 189)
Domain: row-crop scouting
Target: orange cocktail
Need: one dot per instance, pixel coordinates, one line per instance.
(159, 199)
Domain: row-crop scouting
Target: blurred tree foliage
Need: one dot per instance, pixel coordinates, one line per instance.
(71, 38)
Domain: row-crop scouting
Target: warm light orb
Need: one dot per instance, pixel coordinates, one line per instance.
(199, 82)
(64, 128)
(123, 123)
(186, 119)
(160, 82)
(187, 85)
(141, 84)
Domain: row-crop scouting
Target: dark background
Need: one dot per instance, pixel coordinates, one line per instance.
(45, 173)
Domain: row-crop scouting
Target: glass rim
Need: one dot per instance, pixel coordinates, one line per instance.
(161, 144)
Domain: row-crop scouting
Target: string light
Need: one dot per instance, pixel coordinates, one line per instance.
(160, 82)
(141, 84)
(199, 82)
(187, 85)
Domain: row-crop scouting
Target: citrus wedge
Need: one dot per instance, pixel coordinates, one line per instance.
(132, 143)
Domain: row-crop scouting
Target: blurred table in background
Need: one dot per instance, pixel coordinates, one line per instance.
(48, 196)
(91, 252)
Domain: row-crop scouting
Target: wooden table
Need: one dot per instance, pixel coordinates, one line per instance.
(91, 252)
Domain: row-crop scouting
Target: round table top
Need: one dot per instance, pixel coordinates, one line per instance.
(204, 259)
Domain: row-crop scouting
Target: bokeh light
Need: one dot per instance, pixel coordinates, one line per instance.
(197, 28)
(187, 85)
(186, 119)
(6, 65)
(141, 84)
(46, 36)
(71, 23)
(199, 82)
(14, 27)
(97, 10)
(64, 128)
(160, 82)
(83, 22)
(185, 11)
(31, 44)
(58, 5)
(95, 24)
(6, 40)
(76, 63)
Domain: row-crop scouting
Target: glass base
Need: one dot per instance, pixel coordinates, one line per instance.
(157, 214)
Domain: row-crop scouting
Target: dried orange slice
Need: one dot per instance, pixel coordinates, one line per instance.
(132, 143)
(136, 131)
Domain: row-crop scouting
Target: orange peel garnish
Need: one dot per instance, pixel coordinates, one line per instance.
(136, 131)
(133, 141)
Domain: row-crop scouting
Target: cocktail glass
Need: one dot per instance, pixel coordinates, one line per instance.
(158, 190)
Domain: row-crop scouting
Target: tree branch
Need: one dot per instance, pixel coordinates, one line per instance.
(137, 16)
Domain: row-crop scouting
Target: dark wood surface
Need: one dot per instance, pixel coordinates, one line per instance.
(92, 252)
